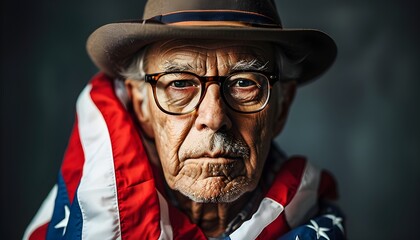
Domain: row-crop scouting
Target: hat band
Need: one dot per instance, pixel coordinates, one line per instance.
(234, 16)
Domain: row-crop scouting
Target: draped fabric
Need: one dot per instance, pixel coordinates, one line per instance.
(107, 189)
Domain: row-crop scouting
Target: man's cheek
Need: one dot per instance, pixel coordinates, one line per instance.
(168, 146)
(253, 130)
(261, 134)
(258, 140)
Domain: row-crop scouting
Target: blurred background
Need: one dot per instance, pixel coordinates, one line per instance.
(360, 120)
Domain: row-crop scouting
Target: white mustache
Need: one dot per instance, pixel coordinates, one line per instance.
(219, 145)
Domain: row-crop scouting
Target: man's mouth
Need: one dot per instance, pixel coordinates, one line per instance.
(223, 165)
(215, 155)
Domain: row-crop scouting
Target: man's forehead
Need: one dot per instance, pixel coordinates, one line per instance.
(184, 55)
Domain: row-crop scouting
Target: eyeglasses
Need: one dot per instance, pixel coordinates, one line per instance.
(178, 93)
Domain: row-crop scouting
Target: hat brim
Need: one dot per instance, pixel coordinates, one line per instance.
(111, 45)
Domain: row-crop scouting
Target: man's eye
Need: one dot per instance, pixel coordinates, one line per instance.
(182, 84)
(243, 83)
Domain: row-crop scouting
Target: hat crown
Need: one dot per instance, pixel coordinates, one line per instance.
(266, 8)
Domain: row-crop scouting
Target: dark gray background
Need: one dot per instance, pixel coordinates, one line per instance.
(360, 120)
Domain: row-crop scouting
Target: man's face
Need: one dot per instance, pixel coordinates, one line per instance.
(213, 154)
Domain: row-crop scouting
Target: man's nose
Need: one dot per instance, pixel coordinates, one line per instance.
(212, 111)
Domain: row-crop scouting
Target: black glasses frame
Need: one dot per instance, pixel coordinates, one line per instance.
(206, 81)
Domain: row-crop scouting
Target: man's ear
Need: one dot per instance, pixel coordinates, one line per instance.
(288, 91)
(138, 97)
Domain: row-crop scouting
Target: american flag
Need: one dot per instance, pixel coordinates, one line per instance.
(106, 187)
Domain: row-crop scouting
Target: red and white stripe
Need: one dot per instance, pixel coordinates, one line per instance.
(97, 192)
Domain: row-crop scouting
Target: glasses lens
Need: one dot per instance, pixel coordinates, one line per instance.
(178, 92)
(247, 91)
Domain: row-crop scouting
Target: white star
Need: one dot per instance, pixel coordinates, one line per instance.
(297, 238)
(320, 231)
(336, 221)
(63, 223)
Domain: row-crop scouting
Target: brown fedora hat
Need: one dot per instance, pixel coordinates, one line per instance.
(111, 45)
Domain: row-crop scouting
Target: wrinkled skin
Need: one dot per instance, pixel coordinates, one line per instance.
(198, 152)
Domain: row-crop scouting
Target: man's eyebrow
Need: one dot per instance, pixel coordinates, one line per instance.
(250, 65)
(173, 66)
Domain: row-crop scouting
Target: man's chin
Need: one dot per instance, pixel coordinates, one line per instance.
(214, 192)
(214, 198)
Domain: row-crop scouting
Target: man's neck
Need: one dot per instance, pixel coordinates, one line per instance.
(212, 218)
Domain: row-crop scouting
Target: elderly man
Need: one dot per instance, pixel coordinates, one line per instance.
(173, 140)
